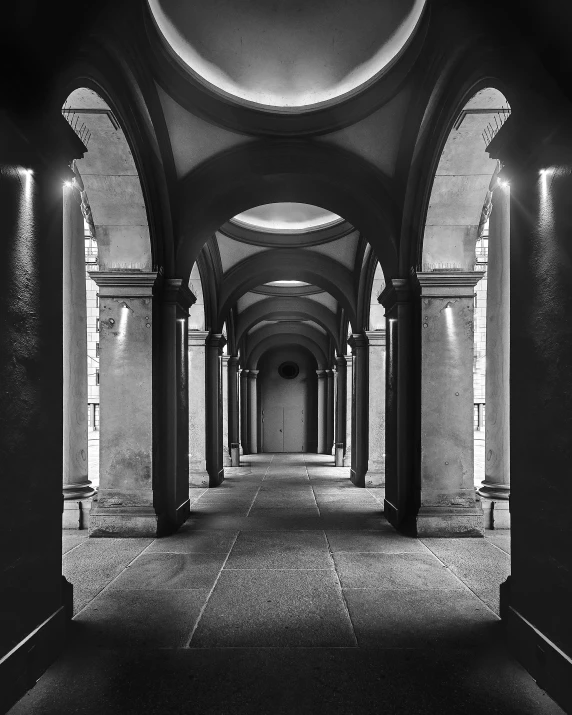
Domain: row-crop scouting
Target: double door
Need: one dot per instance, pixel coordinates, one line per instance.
(283, 429)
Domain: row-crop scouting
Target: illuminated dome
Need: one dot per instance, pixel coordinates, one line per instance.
(286, 54)
(286, 217)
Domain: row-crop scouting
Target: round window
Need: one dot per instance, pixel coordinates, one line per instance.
(288, 370)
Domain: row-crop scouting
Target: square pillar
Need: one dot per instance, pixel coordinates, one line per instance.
(322, 411)
(444, 493)
(360, 408)
(244, 411)
(173, 467)
(198, 476)
(225, 412)
(214, 408)
(252, 411)
(341, 396)
(376, 458)
(349, 410)
(128, 314)
(233, 403)
(330, 410)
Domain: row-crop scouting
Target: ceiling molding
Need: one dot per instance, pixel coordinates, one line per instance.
(287, 290)
(286, 239)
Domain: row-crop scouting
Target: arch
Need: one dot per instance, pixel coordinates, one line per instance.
(294, 308)
(292, 331)
(275, 341)
(288, 264)
(297, 171)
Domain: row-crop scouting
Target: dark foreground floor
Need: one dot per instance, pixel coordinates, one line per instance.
(286, 592)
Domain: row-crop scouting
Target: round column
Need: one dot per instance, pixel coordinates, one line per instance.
(495, 489)
(76, 484)
(253, 411)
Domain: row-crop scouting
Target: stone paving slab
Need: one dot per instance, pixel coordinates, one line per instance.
(280, 550)
(159, 571)
(275, 608)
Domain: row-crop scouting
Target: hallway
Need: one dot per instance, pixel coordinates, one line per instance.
(286, 592)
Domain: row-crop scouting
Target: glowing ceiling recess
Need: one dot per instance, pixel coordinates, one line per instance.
(286, 218)
(286, 54)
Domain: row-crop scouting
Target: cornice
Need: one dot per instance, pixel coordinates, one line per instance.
(287, 239)
(358, 340)
(176, 290)
(125, 283)
(397, 290)
(215, 340)
(446, 284)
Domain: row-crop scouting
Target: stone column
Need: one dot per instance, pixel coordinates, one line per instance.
(244, 411)
(322, 410)
(252, 412)
(127, 313)
(225, 412)
(341, 391)
(233, 404)
(376, 460)
(495, 488)
(198, 475)
(173, 466)
(76, 485)
(445, 493)
(360, 408)
(214, 420)
(397, 300)
(330, 409)
(349, 409)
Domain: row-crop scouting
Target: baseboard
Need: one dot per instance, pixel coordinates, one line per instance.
(25, 663)
(449, 522)
(545, 661)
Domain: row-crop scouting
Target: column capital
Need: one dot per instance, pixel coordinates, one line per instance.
(233, 360)
(175, 290)
(397, 290)
(215, 340)
(376, 338)
(252, 374)
(225, 358)
(244, 371)
(341, 362)
(322, 374)
(358, 340)
(446, 284)
(197, 338)
(125, 284)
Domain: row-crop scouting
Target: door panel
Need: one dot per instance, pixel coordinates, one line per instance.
(294, 429)
(273, 429)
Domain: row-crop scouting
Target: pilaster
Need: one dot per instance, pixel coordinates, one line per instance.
(376, 460)
(198, 476)
(360, 408)
(214, 408)
(252, 411)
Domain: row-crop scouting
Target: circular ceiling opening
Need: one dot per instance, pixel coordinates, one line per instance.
(287, 54)
(286, 217)
(288, 370)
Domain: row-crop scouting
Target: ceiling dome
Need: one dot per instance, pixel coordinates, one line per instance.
(286, 217)
(287, 54)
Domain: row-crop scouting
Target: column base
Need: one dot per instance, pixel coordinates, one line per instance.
(76, 513)
(449, 522)
(127, 523)
(347, 459)
(226, 460)
(27, 661)
(217, 478)
(497, 513)
(198, 478)
(374, 478)
(357, 477)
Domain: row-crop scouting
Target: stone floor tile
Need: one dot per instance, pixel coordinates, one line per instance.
(420, 619)
(388, 542)
(160, 571)
(72, 538)
(393, 571)
(190, 541)
(500, 538)
(138, 618)
(275, 608)
(96, 562)
(280, 550)
(294, 681)
(482, 566)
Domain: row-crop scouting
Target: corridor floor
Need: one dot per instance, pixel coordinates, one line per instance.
(286, 592)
